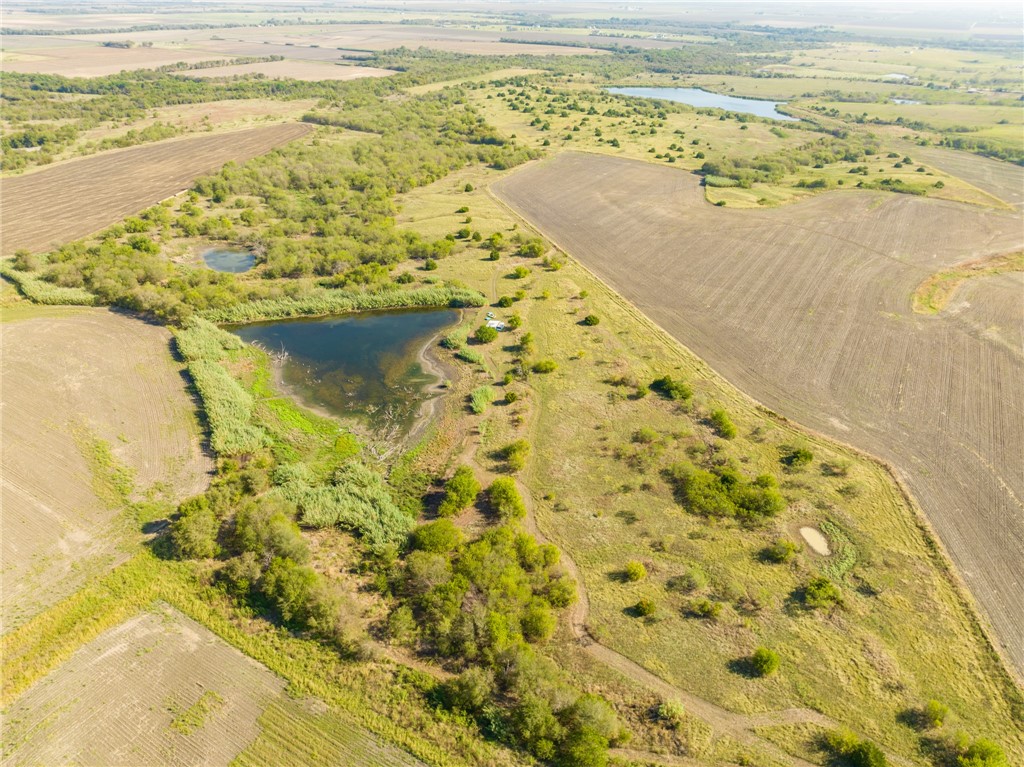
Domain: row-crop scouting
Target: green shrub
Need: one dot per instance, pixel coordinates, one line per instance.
(635, 571)
(779, 552)
(459, 492)
(505, 499)
(934, 713)
(480, 398)
(429, 265)
(672, 389)
(510, 397)
(228, 407)
(40, 291)
(515, 454)
(591, 319)
(796, 457)
(505, 302)
(693, 579)
(853, 751)
(705, 608)
(357, 499)
(544, 366)
(672, 713)
(723, 424)
(438, 537)
(982, 753)
(485, 334)
(519, 273)
(471, 356)
(645, 608)
(515, 322)
(467, 188)
(472, 690)
(764, 661)
(821, 593)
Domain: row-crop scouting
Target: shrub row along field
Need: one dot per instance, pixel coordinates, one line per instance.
(808, 308)
(45, 209)
(94, 410)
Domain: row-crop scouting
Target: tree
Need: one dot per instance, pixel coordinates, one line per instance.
(289, 586)
(544, 366)
(591, 319)
(194, 532)
(459, 492)
(505, 498)
(485, 334)
(538, 622)
(764, 661)
(471, 690)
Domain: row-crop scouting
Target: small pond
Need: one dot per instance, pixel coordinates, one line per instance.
(234, 260)
(364, 366)
(696, 97)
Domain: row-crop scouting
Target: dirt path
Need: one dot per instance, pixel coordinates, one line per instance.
(722, 721)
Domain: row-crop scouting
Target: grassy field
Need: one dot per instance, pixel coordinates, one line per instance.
(95, 416)
(122, 182)
(777, 290)
(688, 139)
(600, 495)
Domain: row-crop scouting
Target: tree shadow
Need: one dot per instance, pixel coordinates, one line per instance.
(743, 667)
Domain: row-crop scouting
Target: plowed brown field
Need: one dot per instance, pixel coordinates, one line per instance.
(49, 207)
(162, 689)
(71, 377)
(807, 308)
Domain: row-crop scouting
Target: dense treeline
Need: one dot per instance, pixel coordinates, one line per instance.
(309, 210)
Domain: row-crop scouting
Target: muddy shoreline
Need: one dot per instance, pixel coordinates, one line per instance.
(431, 363)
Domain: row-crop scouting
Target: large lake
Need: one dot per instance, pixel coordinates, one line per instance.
(696, 97)
(363, 366)
(234, 260)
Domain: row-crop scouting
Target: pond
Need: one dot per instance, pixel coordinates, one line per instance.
(364, 366)
(234, 260)
(696, 97)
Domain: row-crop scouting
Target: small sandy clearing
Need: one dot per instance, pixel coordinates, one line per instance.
(817, 541)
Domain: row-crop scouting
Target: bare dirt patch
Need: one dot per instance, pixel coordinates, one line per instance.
(814, 539)
(77, 385)
(63, 202)
(807, 308)
(162, 689)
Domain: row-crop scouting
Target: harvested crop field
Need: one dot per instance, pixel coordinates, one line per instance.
(94, 407)
(808, 309)
(49, 207)
(162, 689)
(79, 58)
(296, 70)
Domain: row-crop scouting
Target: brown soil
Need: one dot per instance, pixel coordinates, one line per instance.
(63, 202)
(71, 377)
(807, 308)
